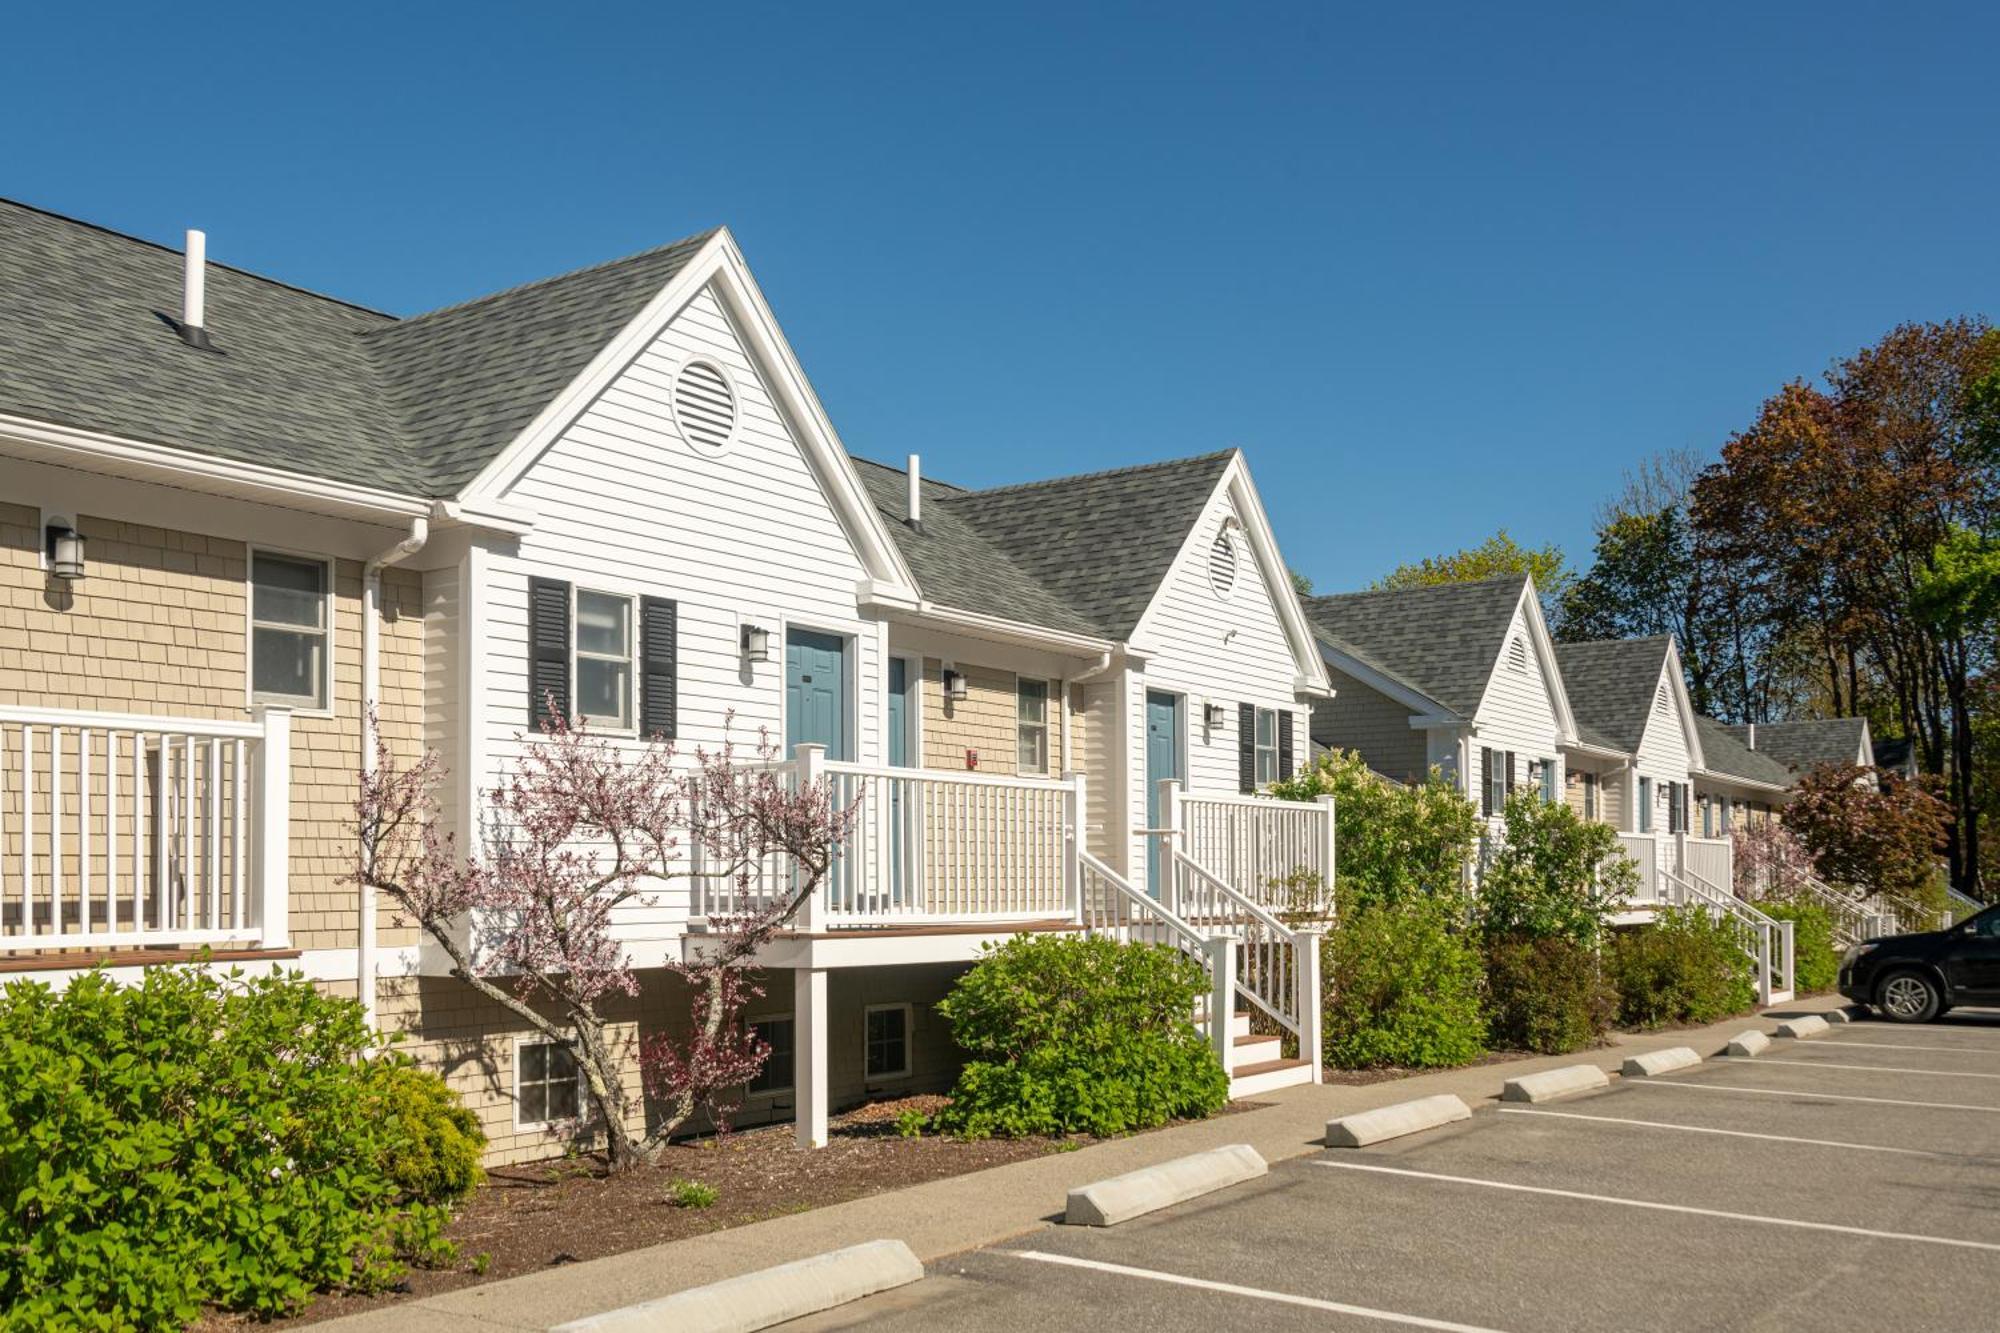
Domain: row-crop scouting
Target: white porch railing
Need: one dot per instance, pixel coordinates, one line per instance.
(1280, 854)
(925, 847)
(1645, 853)
(1957, 907)
(121, 830)
(1713, 859)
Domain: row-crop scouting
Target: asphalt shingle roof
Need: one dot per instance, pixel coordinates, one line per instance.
(300, 382)
(1611, 685)
(1803, 745)
(1084, 553)
(1728, 755)
(1442, 641)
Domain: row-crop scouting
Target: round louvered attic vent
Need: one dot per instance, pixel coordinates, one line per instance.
(704, 407)
(1222, 564)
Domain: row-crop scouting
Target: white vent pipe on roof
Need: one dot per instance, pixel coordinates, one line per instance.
(1753, 735)
(916, 493)
(194, 291)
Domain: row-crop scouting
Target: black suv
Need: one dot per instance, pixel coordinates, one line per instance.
(1914, 978)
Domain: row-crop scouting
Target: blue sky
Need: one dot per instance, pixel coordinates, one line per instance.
(1438, 271)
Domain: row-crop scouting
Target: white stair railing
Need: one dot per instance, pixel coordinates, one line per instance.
(1766, 941)
(122, 830)
(1109, 905)
(1278, 853)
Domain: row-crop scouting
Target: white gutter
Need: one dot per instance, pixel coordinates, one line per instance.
(371, 689)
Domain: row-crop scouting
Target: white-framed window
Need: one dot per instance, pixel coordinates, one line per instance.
(776, 1075)
(1549, 791)
(602, 669)
(1590, 795)
(886, 1052)
(1031, 713)
(291, 635)
(1267, 746)
(548, 1083)
(1645, 805)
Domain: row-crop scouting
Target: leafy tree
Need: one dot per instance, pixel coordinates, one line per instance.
(1498, 555)
(1396, 843)
(1868, 828)
(1301, 585)
(579, 828)
(1555, 873)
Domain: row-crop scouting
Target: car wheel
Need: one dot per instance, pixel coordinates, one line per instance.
(1909, 997)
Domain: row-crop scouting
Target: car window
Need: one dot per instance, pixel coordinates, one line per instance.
(1987, 925)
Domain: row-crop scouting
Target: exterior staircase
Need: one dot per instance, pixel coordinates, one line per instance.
(1260, 1065)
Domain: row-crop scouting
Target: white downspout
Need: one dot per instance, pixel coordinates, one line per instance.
(371, 691)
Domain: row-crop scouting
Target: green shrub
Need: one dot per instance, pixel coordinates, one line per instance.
(435, 1143)
(1684, 968)
(1814, 957)
(1396, 842)
(911, 1123)
(1067, 1034)
(692, 1194)
(1402, 989)
(1554, 873)
(193, 1140)
(1546, 993)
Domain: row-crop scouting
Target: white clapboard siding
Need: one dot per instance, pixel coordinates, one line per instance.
(1518, 711)
(1195, 654)
(1663, 757)
(625, 504)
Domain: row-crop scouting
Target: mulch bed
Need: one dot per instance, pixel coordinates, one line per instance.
(566, 1210)
(1361, 1078)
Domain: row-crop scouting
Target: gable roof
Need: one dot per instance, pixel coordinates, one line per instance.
(1728, 756)
(1442, 642)
(299, 381)
(1803, 745)
(1611, 685)
(1084, 553)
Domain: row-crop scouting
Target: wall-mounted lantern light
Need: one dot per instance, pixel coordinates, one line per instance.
(954, 684)
(64, 547)
(756, 643)
(1212, 715)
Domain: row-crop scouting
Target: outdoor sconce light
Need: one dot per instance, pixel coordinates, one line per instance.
(64, 546)
(756, 643)
(1212, 715)
(954, 684)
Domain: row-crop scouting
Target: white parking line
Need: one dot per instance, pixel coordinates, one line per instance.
(1880, 1069)
(1255, 1293)
(1653, 1205)
(1908, 1046)
(1729, 1133)
(1816, 1096)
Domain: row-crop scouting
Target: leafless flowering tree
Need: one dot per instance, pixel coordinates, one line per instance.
(579, 827)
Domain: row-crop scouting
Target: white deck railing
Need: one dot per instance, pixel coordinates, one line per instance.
(1644, 850)
(1713, 859)
(925, 847)
(1278, 853)
(121, 830)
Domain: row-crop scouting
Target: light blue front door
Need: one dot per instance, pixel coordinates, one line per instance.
(899, 712)
(1163, 761)
(815, 692)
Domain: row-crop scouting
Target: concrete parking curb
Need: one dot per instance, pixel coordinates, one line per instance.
(1838, 1016)
(1553, 1083)
(1812, 1025)
(1660, 1062)
(1389, 1122)
(1750, 1042)
(1121, 1198)
(769, 1296)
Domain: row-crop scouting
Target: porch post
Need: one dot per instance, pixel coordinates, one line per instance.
(1311, 1003)
(1167, 840)
(807, 760)
(1764, 965)
(1329, 851)
(809, 1029)
(1073, 808)
(271, 816)
(1222, 998)
(1785, 955)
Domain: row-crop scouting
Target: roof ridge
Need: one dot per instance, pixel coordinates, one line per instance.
(459, 306)
(1420, 588)
(164, 248)
(1107, 472)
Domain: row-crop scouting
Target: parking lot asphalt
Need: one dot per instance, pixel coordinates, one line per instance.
(1846, 1182)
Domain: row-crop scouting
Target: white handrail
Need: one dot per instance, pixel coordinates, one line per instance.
(1260, 845)
(1109, 905)
(1267, 955)
(1767, 941)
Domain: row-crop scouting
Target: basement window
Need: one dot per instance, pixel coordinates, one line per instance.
(548, 1084)
(888, 1041)
(776, 1075)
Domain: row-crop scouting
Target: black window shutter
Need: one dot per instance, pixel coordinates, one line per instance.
(1285, 745)
(659, 631)
(1246, 748)
(1511, 779)
(548, 650)
(1485, 781)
